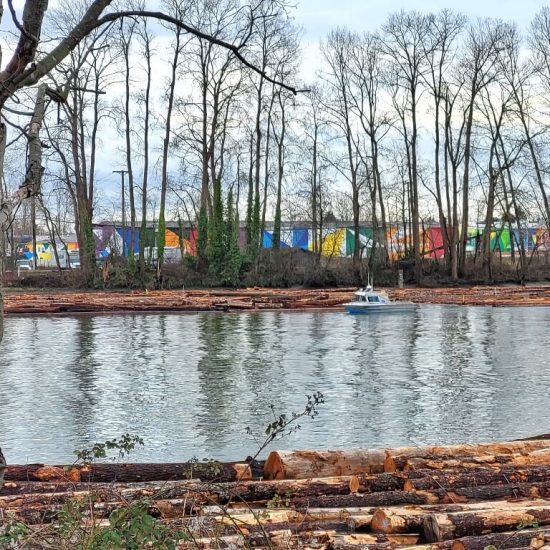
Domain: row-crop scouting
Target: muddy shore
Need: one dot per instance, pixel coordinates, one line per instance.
(59, 302)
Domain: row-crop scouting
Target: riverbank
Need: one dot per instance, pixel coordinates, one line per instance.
(467, 497)
(66, 302)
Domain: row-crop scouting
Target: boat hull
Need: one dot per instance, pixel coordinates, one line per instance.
(361, 308)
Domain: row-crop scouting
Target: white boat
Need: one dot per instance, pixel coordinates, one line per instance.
(369, 301)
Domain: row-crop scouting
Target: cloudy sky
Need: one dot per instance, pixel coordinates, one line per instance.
(319, 16)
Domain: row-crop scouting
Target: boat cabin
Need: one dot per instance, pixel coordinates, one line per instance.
(369, 296)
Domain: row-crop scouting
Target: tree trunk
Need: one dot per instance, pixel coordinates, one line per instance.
(526, 538)
(466, 184)
(280, 175)
(266, 160)
(428, 480)
(128, 138)
(165, 148)
(383, 498)
(304, 464)
(397, 459)
(414, 191)
(109, 473)
(255, 232)
(440, 527)
(143, 230)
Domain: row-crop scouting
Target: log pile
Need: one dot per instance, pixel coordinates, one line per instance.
(457, 497)
(252, 299)
(531, 295)
(174, 300)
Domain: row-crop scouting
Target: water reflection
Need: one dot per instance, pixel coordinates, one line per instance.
(190, 384)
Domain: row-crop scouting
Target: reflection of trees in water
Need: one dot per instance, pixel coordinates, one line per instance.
(263, 368)
(240, 373)
(317, 345)
(145, 374)
(263, 361)
(82, 401)
(453, 390)
(381, 374)
(218, 376)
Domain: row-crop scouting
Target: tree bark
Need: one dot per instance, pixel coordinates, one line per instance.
(304, 464)
(427, 480)
(109, 473)
(397, 459)
(440, 527)
(165, 150)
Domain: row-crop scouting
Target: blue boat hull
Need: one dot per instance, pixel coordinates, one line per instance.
(379, 308)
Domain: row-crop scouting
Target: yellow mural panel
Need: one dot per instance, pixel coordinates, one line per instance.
(333, 243)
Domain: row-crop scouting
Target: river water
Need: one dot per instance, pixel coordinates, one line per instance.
(190, 384)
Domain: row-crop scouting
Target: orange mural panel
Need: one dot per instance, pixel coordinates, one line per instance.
(172, 239)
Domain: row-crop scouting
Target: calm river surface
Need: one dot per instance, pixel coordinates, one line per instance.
(190, 384)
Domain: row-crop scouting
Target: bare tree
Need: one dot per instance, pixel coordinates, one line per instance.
(406, 38)
(339, 107)
(482, 51)
(444, 29)
(25, 69)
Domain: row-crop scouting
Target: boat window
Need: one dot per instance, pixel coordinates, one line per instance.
(363, 298)
(374, 299)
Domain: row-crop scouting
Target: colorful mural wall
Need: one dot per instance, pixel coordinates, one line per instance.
(335, 241)
(340, 241)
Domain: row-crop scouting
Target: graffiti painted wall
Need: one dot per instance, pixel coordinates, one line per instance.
(335, 241)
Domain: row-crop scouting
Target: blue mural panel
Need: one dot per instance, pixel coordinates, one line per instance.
(267, 239)
(300, 238)
(126, 235)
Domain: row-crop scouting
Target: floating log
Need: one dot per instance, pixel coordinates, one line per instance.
(174, 300)
(539, 457)
(274, 493)
(402, 519)
(385, 498)
(109, 473)
(426, 480)
(306, 464)
(399, 459)
(373, 483)
(523, 538)
(388, 520)
(440, 527)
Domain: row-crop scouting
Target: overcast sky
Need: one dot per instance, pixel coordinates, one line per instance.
(317, 17)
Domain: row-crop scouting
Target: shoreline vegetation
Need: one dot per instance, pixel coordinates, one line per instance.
(63, 301)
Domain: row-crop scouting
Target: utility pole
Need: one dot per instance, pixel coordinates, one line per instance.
(122, 193)
(33, 219)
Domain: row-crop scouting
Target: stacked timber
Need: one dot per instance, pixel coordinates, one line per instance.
(258, 299)
(174, 300)
(435, 497)
(532, 295)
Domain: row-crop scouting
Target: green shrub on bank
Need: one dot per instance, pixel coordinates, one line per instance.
(270, 268)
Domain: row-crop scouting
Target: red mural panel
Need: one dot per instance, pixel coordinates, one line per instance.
(433, 243)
